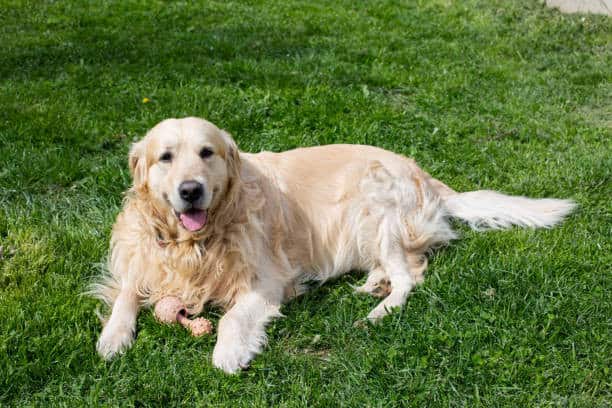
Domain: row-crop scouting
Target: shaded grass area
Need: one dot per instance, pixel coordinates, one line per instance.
(484, 94)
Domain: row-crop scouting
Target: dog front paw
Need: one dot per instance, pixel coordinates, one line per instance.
(115, 339)
(232, 356)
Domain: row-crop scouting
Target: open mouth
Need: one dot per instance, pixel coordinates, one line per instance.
(193, 219)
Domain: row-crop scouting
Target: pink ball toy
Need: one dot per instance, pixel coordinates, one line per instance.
(170, 310)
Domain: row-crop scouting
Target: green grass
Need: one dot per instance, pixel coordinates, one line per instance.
(503, 95)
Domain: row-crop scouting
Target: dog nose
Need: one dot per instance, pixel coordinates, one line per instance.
(191, 190)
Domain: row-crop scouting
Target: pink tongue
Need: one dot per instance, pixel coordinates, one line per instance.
(193, 220)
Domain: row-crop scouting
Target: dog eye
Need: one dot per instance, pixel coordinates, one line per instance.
(166, 157)
(206, 152)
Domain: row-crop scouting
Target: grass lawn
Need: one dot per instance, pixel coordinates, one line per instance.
(504, 95)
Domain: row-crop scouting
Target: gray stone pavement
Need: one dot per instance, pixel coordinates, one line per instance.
(582, 6)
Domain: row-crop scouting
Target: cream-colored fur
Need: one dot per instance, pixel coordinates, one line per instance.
(275, 221)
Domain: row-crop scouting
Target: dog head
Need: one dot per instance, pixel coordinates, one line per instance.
(186, 166)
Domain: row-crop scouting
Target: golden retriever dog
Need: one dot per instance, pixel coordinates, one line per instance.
(208, 223)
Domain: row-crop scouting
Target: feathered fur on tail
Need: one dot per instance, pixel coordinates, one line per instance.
(486, 209)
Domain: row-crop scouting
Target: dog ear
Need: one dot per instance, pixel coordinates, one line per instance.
(137, 161)
(232, 155)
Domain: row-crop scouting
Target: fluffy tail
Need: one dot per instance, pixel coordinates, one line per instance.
(486, 209)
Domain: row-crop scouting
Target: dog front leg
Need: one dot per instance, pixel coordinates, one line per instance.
(118, 333)
(241, 333)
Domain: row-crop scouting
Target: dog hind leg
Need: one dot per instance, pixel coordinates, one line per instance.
(377, 284)
(396, 266)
